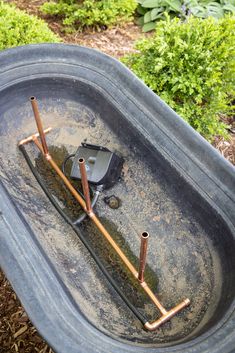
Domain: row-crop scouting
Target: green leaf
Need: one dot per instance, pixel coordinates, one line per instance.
(229, 7)
(149, 27)
(198, 11)
(140, 21)
(229, 2)
(140, 10)
(147, 17)
(204, 2)
(174, 5)
(150, 3)
(157, 13)
(190, 3)
(214, 9)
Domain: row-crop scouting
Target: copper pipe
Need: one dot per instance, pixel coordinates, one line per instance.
(61, 175)
(39, 124)
(30, 138)
(166, 314)
(100, 226)
(143, 255)
(169, 314)
(153, 297)
(92, 215)
(85, 185)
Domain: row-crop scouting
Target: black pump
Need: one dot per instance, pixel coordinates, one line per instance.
(103, 167)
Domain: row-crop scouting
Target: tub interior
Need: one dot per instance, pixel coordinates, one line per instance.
(190, 247)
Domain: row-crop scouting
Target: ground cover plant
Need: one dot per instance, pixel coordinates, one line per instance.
(18, 28)
(91, 13)
(191, 66)
(151, 11)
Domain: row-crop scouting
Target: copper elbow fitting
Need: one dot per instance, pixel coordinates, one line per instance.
(169, 314)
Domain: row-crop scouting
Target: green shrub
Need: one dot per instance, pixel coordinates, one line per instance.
(18, 28)
(151, 11)
(191, 66)
(94, 13)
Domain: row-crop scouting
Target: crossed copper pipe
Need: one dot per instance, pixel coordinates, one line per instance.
(86, 205)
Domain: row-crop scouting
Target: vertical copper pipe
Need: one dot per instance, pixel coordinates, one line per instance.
(85, 185)
(39, 124)
(143, 255)
(61, 174)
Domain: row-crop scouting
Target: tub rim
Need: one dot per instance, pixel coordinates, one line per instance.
(22, 54)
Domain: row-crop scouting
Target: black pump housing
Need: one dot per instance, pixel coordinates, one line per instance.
(103, 167)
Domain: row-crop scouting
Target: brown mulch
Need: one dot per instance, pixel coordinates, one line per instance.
(227, 148)
(17, 334)
(115, 41)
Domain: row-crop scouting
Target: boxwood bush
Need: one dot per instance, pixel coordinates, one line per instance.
(93, 13)
(18, 28)
(191, 66)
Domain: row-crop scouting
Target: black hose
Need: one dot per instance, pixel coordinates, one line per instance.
(82, 237)
(93, 202)
(63, 167)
